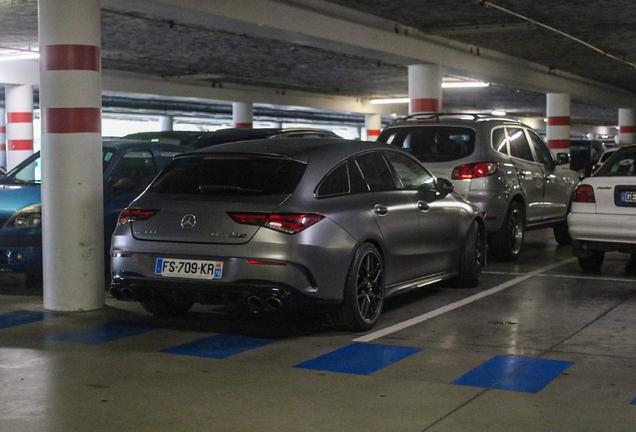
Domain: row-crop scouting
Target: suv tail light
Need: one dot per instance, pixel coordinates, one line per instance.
(288, 223)
(474, 170)
(584, 194)
(132, 215)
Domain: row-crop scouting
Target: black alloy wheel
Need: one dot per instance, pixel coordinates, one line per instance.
(363, 293)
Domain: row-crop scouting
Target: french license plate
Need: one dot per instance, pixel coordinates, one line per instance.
(628, 197)
(196, 269)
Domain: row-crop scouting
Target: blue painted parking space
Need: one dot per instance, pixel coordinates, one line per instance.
(634, 401)
(514, 373)
(219, 346)
(103, 333)
(359, 358)
(21, 317)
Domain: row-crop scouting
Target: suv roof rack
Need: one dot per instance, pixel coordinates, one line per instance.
(437, 116)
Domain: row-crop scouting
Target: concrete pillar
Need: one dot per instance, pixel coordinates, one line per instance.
(558, 129)
(626, 126)
(19, 128)
(72, 199)
(425, 88)
(242, 114)
(373, 126)
(3, 140)
(167, 123)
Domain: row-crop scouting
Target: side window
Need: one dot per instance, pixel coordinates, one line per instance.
(335, 183)
(519, 146)
(410, 173)
(499, 140)
(375, 172)
(166, 156)
(133, 172)
(544, 155)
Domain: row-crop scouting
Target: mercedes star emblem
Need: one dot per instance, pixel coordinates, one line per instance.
(188, 221)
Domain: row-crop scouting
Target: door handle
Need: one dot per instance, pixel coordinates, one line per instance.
(423, 205)
(526, 175)
(380, 209)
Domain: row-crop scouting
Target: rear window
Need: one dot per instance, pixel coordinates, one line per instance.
(432, 143)
(229, 175)
(620, 164)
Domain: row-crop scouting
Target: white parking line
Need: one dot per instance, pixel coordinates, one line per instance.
(432, 314)
(584, 277)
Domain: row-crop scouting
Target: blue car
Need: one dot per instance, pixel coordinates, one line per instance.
(129, 166)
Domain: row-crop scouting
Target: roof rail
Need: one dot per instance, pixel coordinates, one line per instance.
(441, 115)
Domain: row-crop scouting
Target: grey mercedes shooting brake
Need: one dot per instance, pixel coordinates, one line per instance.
(280, 223)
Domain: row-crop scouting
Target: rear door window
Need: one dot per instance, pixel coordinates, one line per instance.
(519, 146)
(375, 171)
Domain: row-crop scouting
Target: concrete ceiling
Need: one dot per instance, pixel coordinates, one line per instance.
(359, 49)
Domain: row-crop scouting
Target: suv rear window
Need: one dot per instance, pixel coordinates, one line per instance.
(229, 175)
(432, 143)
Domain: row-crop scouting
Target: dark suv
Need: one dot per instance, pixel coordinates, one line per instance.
(500, 164)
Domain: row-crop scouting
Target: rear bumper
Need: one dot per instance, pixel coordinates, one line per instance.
(599, 228)
(594, 232)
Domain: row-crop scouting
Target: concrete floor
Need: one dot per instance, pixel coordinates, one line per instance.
(539, 346)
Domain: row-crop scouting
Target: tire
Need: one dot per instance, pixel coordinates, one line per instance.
(592, 263)
(506, 243)
(471, 259)
(363, 292)
(167, 306)
(562, 234)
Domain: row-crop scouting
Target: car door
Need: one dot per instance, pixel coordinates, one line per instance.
(558, 184)
(530, 173)
(438, 219)
(395, 213)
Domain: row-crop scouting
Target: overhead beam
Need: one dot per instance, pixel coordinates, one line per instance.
(324, 25)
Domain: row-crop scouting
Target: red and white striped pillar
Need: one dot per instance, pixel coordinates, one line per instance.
(558, 129)
(425, 88)
(373, 126)
(3, 140)
(626, 126)
(242, 113)
(72, 199)
(19, 129)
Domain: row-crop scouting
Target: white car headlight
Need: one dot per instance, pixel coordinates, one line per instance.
(28, 217)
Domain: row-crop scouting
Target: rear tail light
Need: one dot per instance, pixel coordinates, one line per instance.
(474, 170)
(584, 194)
(132, 215)
(288, 223)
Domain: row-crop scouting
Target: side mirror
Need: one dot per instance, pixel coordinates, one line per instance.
(562, 158)
(432, 191)
(444, 187)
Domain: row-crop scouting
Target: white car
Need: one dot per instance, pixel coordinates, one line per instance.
(603, 213)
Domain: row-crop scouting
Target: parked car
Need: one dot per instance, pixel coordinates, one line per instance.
(604, 157)
(288, 222)
(603, 214)
(128, 168)
(499, 164)
(221, 136)
(163, 137)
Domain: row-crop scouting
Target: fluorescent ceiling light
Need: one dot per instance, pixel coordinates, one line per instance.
(498, 113)
(465, 84)
(450, 84)
(26, 55)
(389, 101)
